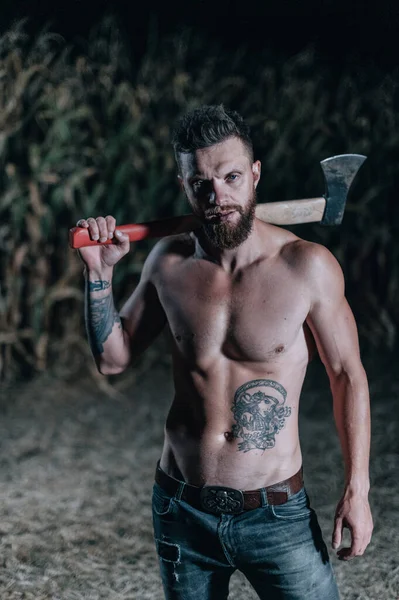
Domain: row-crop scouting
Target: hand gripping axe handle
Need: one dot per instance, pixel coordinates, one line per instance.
(339, 172)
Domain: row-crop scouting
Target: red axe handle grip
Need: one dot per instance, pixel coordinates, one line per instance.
(79, 236)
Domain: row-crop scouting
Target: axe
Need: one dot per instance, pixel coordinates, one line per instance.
(339, 172)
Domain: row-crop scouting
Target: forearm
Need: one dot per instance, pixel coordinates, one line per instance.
(352, 418)
(107, 339)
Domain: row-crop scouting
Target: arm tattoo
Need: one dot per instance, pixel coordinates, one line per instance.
(98, 285)
(259, 413)
(100, 315)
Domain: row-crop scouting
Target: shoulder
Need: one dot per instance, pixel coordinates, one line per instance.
(305, 258)
(316, 266)
(167, 250)
(311, 256)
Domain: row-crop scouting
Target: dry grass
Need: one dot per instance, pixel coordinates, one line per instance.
(76, 472)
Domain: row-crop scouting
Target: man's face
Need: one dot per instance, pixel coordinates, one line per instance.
(220, 182)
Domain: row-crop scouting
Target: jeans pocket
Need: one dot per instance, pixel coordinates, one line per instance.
(296, 508)
(162, 502)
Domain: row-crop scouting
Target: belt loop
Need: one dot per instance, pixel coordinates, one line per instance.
(180, 490)
(263, 495)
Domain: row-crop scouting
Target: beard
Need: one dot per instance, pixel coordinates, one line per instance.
(227, 236)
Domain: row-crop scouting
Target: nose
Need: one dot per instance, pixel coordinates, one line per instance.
(215, 193)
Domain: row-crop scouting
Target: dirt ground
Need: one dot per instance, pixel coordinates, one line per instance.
(76, 471)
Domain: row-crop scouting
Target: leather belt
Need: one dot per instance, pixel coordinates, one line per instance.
(220, 499)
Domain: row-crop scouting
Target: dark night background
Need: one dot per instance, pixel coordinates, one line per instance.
(353, 30)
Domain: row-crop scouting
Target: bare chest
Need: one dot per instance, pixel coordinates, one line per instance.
(252, 317)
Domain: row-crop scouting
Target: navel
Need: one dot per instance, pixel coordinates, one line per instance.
(229, 436)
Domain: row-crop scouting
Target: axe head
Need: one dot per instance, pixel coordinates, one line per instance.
(339, 172)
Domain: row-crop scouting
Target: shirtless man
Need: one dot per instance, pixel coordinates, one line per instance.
(239, 297)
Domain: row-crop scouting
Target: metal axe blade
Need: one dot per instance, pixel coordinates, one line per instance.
(339, 172)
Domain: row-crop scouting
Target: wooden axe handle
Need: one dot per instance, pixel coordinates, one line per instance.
(279, 213)
(292, 212)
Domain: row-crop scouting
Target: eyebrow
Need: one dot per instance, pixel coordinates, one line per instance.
(234, 169)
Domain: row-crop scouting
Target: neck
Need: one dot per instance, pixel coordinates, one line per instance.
(229, 260)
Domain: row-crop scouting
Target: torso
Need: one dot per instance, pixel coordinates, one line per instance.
(240, 353)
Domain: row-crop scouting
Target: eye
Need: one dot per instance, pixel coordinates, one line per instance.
(197, 184)
(232, 177)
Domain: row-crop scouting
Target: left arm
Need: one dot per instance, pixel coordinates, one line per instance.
(334, 329)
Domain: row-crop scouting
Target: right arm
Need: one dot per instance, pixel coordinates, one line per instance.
(105, 334)
(118, 338)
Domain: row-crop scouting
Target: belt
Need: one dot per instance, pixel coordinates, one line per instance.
(220, 499)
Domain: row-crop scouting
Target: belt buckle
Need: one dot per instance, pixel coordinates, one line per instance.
(218, 499)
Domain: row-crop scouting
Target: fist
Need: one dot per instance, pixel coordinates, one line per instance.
(103, 256)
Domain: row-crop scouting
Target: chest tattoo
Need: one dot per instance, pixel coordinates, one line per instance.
(260, 414)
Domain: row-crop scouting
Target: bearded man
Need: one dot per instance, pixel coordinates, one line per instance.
(239, 297)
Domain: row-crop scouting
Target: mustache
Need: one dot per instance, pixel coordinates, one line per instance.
(221, 211)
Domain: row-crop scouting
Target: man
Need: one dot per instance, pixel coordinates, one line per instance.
(239, 296)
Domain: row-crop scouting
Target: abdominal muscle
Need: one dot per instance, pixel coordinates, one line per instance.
(234, 426)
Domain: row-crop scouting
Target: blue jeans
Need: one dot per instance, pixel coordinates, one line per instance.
(279, 549)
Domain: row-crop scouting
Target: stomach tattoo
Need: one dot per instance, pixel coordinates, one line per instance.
(260, 414)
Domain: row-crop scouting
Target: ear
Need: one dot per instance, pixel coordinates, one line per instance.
(256, 167)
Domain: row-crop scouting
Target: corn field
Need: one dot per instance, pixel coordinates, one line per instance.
(84, 131)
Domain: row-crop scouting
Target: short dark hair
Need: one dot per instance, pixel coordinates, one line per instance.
(208, 125)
